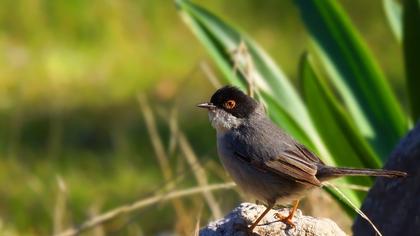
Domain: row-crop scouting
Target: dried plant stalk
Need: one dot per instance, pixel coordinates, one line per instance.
(100, 219)
(194, 164)
(183, 224)
(60, 206)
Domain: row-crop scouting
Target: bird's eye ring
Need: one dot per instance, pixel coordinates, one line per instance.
(230, 104)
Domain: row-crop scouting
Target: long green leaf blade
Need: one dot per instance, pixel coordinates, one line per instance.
(355, 74)
(342, 139)
(345, 142)
(411, 44)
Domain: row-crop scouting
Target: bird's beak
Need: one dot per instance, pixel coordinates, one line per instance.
(206, 105)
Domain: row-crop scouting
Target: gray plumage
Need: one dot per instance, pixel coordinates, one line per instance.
(254, 155)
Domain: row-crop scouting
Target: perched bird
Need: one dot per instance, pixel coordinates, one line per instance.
(263, 160)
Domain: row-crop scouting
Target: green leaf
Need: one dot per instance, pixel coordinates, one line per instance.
(411, 39)
(393, 11)
(344, 141)
(355, 74)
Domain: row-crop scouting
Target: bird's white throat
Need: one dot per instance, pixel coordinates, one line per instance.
(223, 121)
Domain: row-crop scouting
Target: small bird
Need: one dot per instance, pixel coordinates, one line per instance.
(263, 160)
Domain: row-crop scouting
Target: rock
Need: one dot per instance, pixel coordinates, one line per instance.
(393, 205)
(237, 221)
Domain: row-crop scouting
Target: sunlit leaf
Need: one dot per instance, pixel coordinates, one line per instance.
(340, 136)
(393, 11)
(355, 74)
(332, 122)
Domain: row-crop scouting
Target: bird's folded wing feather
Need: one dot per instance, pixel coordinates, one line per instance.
(296, 164)
(309, 156)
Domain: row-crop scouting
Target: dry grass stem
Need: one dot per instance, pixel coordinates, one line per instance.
(199, 174)
(173, 140)
(93, 212)
(195, 165)
(208, 72)
(197, 224)
(183, 223)
(242, 62)
(100, 219)
(192, 161)
(363, 215)
(60, 206)
(154, 137)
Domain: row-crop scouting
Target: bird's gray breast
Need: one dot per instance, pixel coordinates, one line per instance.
(239, 170)
(241, 148)
(255, 146)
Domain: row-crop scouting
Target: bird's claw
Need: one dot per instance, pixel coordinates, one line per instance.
(285, 219)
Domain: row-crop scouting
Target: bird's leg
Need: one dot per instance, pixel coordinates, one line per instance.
(270, 205)
(288, 219)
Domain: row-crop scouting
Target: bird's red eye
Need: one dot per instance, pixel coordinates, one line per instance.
(230, 104)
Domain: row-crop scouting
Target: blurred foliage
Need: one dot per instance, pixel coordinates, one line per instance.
(94, 49)
(69, 75)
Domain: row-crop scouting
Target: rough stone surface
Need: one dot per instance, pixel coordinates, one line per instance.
(394, 204)
(237, 221)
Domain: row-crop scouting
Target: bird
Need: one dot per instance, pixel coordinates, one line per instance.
(263, 160)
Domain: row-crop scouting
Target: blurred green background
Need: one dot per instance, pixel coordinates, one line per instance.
(70, 76)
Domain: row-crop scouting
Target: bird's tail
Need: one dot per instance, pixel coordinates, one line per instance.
(329, 172)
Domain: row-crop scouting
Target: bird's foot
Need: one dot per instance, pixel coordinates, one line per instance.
(285, 219)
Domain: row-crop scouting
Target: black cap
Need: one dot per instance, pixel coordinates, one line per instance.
(234, 101)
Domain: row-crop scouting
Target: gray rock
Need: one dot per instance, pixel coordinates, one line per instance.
(237, 221)
(393, 205)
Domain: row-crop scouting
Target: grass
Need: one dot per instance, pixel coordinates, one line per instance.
(102, 168)
(90, 184)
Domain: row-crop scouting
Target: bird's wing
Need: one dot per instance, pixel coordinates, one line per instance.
(291, 164)
(309, 156)
(298, 164)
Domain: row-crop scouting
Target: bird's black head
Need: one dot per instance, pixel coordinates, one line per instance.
(234, 101)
